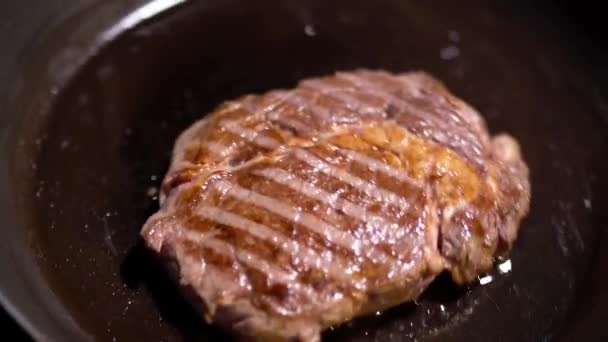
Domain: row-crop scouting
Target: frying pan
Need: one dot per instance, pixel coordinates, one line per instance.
(95, 92)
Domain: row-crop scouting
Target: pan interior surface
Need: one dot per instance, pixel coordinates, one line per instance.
(101, 150)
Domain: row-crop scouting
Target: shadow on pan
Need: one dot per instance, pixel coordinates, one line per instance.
(93, 123)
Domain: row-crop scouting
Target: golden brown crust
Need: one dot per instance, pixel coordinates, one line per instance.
(346, 195)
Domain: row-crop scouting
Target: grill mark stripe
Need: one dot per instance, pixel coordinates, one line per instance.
(330, 184)
(361, 184)
(368, 188)
(241, 256)
(375, 89)
(311, 222)
(395, 81)
(349, 208)
(365, 84)
(219, 149)
(283, 119)
(229, 107)
(362, 222)
(300, 101)
(302, 202)
(371, 87)
(217, 272)
(443, 117)
(238, 276)
(309, 257)
(340, 94)
(276, 98)
(221, 263)
(379, 166)
(313, 240)
(235, 281)
(273, 113)
(251, 135)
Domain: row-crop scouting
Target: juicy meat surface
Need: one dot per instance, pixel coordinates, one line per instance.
(288, 212)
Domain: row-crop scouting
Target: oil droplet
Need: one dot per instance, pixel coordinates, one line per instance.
(454, 36)
(65, 143)
(485, 280)
(587, 203)
(505, 267)
(449, 52)
(152, 191)
(309, 30)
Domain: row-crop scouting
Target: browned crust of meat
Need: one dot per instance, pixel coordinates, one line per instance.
(469, 190)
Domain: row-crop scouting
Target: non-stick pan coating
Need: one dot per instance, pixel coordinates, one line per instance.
(87, 163)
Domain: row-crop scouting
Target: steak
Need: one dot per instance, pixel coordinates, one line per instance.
(285, 213)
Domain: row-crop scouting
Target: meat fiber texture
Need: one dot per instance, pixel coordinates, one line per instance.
(285, 213)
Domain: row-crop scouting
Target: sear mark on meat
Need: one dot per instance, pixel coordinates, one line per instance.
(292, 211)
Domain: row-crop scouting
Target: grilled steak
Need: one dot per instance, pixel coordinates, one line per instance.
(289, 212)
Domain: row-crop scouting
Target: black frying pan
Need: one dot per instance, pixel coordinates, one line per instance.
(94, 94)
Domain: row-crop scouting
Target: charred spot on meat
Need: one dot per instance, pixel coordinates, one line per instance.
(296, 210)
